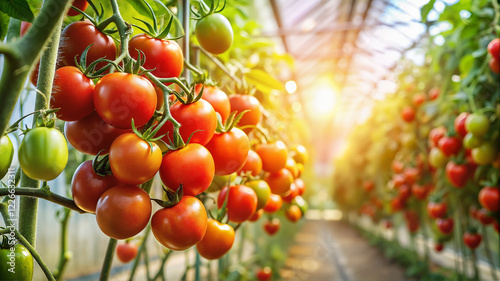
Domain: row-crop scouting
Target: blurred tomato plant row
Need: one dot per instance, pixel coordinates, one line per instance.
(427, 159)
(119, 101)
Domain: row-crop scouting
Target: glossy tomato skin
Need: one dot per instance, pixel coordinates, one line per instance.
(182, 226)
(472, 240)
(123, 211)
(192, 166)
(445, 225)
(77, 36)
(484, 154)
(436, 134)
(274, 155)
(198, 120)
(300, 185)
(126, 252)
(489, 197)
(91, 134)
(19, 259)
(420, 191)
(437, 158)
(280, 181)
(408, 114)
(253, 164)
(262, 190)
(218, 240)
(80, 4)
(217, 98)
(494, 65)
(241, 202)
(450, 145)
(43, 153)
(272, 226)
(73, 93)
(459, 124)
(7, 150)
(494, 48)
(164, 56)
(477, 124)
(439, 247)
(240, 103)
(264, 274)
(229, 150)
(484, 217)
(273, 204)
(256, 216)
(457, 174)
(300, 154)
(121, 97)
(293, 213)
(437, 209)
(132, 160)
(214, 33)
(291, 194)
(87, 186)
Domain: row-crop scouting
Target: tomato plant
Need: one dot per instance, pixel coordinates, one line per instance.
(43, 153)
(182, 226)
(218, 240)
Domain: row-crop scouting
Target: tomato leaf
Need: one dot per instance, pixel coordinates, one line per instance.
(426, 9)
(263, 81)
(19, 9)
(4, 25)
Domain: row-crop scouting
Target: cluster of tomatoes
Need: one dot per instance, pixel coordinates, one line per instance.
(204, 141)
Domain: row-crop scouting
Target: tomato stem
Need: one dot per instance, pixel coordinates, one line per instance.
(139, 252)
(43, 194)
(108, 259)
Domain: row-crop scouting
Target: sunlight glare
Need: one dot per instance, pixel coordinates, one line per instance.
(291, 86)
(322, 103)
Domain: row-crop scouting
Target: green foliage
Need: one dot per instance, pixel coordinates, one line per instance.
(4, 25)
(18, 9)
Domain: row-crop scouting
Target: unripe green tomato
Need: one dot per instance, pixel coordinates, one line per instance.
(299, 201)
(437, 158)
(477, 124)
(472, 141)
(262, 190)
(6, 155)
(214, 33)
(17, 264)
(484, 154)
(43, 153)
(220, 181)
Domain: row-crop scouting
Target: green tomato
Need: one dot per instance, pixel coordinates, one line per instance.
(472, 141)
(437, 158)
(262, 190)
(6, 155)
(477, 124)
(43, 153)
(484, 154)
(16, 263)
(299, 201)
(220, 181)
(215, 34)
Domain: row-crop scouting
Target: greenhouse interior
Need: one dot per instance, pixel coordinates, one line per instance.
(250, 140)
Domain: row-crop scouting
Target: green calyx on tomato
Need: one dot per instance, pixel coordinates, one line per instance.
(7, 150)
(16, 262)
(43, 153)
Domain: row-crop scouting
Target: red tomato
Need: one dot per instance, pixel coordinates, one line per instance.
(450, 145)
(413, 225)
(77, 36)
(397, 204)
(434, 93)
(272, 226)
(291, 194)
(300, 185)
(274, 155)
(164, 56)
(229, 150)
(398, 180)
(240, 103)
(218, 240)
(494, 65)
(91, 134)
(397, 167)
(445, 225)
(253, 164)
(419, 191)
(404, 192)
(472, 240)
(73, 93)
(126, 251)
(132, 160)
(460, 124)
(218, 99)
(438, 247)
(25, 26)
(408, 114)
(241, 202)
(80, 4)
(368, 186)
(489, 197)
(182, 226)
(494, 48)
(291, 166)
(280, 181)
(436, 134)
(123, 211)
(87, 186)
(264, 274)
(192, 166)
(457, 174)
(293, 213)
(411, 175)
(484, 217)
(121, 97)
(419, 99)
(256, 216)
(437, 209)
(197, 120)
(273, 204)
